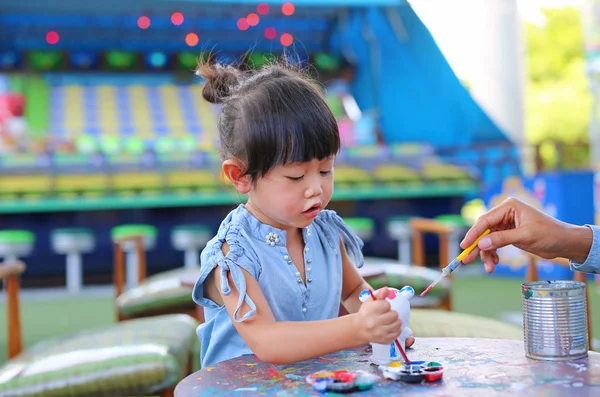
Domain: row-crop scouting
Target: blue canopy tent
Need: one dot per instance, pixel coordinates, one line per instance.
(401, 72)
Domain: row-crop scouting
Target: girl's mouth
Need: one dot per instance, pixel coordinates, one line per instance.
(312, 211)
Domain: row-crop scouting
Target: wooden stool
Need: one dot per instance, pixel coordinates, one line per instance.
(362, 227)
(419, 227)
(133, 240)
(15, 244)
(191, 239)
(73, 243)
(398, 228)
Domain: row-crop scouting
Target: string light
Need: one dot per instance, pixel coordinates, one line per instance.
(286, 39)
(253, 19)
(52, 37)
(191, 39)
(263, 8)
(288, 9)
(270, 33)
(242, 24)
(143, 22)
(177, 18)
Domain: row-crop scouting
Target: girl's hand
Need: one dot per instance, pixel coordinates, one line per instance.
(376, 322)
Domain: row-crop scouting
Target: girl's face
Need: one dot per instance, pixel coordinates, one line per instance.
(290, 196)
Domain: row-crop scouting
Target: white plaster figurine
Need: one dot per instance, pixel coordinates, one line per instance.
(400, 302)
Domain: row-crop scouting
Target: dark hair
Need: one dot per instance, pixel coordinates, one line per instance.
(269, 117)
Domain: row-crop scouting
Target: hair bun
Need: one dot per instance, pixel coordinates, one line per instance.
(221, 81)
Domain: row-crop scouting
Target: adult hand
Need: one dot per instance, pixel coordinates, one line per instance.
(517, 223)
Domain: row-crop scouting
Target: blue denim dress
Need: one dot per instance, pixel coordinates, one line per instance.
(261, 250)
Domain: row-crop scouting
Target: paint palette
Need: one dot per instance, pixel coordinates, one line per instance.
(415, 372)
(341, 381)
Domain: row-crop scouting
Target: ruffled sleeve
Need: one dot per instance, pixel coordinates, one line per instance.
(329, 220)
(236, 259)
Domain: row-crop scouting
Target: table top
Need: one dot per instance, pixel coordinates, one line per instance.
(474, 367)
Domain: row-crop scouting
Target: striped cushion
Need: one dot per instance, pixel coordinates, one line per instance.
(136, 357)
(159, 293)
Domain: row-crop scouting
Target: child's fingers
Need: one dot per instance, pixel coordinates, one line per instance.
(382, 293)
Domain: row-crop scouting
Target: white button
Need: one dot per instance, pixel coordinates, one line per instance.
(297, 274)
(286, 257)
(299, 281)
(308, 269)
(309, 280)
(289, 261)
(306, 249)
(303, 310)
(309, 260)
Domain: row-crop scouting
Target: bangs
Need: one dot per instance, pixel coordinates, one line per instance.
(287, 123)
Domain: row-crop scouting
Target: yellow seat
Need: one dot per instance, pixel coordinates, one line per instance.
(25, 184)
(81, 183)
(136, 180)
(191, 179)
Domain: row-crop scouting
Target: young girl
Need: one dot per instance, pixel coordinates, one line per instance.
(273, 277)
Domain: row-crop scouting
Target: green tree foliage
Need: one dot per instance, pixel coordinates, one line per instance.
(558, 101)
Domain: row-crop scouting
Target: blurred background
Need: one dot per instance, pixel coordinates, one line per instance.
(444, 107)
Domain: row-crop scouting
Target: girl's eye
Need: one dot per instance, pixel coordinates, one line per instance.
(295, 178)
(326, 172)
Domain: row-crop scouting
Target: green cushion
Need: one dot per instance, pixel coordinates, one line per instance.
(441, 323)
(16, 237)
(452, 219)
(125, 231)
(160, 292)
(135, 357)
(362, 224)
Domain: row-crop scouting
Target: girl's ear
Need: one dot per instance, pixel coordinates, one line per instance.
(234, 170)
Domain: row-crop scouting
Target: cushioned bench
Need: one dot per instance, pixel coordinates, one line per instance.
(146, 356)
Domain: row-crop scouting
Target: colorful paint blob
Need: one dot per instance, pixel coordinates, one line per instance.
(416, 372)
(341, 381)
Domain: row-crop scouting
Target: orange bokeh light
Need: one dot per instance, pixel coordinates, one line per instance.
(270, 33)
(242, 24)
(288, 9)
(177, 18)
(253, 19)
(263, 8)
(191, 39)
(52, 37)
(286, 40)
(144, 22)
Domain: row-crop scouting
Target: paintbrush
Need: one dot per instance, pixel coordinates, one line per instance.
(455, 263)
(398, 345)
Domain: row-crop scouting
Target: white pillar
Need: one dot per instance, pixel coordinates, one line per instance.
(132, 268)
(191, 258)
(73, 272)
(498, 76)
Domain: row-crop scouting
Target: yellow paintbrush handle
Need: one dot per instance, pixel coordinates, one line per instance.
(470, 248)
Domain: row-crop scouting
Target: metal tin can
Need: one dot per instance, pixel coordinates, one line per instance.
(555, 320)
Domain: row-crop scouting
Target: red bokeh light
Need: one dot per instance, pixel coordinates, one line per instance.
(263, 8)
(270, 33)
(252, 19)
(242, 24)
(177, 18)
(286, 40)
(191, 39)
(144, 22)
(52, 37)
(288, 9)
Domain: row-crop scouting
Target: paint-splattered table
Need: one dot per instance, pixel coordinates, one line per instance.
(474, 367)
